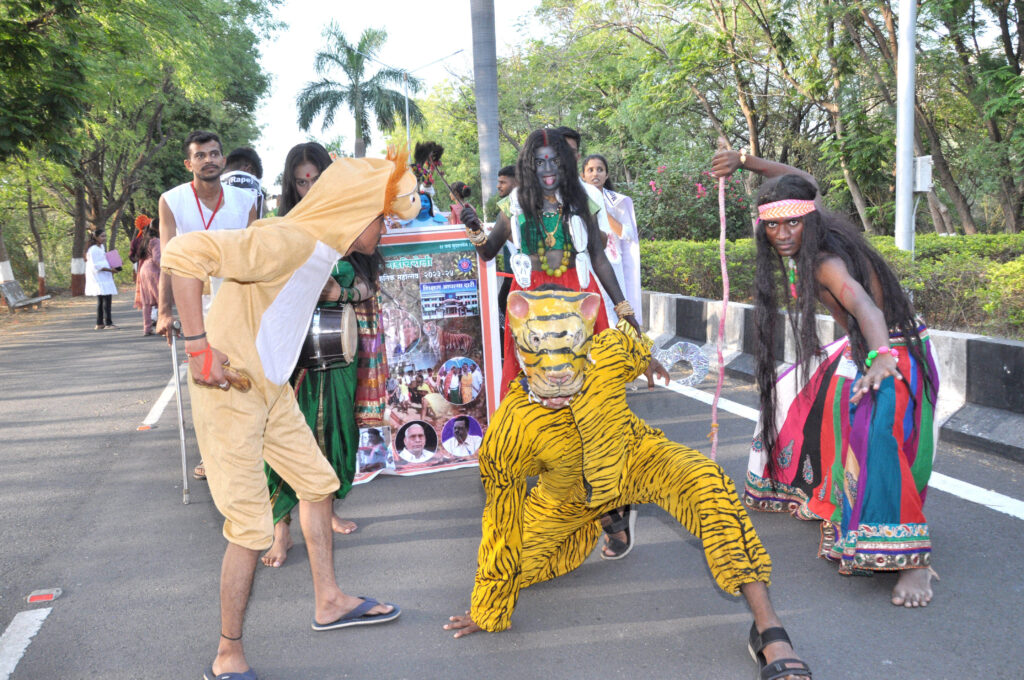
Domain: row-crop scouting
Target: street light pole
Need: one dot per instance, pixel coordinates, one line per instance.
(905, 62)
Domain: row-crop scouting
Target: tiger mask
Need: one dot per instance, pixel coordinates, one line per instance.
(552, 330)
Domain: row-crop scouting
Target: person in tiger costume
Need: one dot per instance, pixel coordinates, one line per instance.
(572, 398)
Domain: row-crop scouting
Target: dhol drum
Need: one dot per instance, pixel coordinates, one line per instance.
(332, 339)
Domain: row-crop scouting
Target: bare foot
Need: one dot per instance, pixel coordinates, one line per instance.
(278, 552)
(342, 526)
(914, 588)
(335, 609)
(606, 549)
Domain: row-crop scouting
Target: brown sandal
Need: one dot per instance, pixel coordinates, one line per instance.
(199, 472)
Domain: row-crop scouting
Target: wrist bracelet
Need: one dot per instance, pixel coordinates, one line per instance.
(207, 354)
(189, 338)
(477, 238)
(883, 349)
(624, 309)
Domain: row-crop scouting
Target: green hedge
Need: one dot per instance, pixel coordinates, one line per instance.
(965, 283)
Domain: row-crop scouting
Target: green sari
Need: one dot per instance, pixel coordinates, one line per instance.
(327, 400)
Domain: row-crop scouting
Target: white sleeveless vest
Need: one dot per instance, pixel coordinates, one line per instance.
(232, 214)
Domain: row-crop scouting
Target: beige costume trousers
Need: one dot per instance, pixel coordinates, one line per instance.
(238, 431)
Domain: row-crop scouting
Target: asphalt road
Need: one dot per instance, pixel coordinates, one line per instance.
(93, 506)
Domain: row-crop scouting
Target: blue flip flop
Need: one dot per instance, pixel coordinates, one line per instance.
(210, 675)
(360, 617)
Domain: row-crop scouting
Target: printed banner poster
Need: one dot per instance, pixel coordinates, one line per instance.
(433, 330)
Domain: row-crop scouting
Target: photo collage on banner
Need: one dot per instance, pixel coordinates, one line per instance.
(433, 320)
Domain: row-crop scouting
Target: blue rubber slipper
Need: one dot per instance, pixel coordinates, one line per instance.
(360, 617)
(210, 675)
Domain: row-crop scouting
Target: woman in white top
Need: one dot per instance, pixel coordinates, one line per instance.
(99, 279)
(623, 249)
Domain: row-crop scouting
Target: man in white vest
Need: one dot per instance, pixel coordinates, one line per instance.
(204, 204)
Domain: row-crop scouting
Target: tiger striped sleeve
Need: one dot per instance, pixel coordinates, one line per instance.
(632, 352)
(499, 570)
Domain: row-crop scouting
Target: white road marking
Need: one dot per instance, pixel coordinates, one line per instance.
(17, 637)
(969, 492)
(976, 494)
(165, 398)
(723, 403)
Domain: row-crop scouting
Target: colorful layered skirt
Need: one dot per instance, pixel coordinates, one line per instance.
(861, 469)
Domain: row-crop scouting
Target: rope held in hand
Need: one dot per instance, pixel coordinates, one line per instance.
(721, 318)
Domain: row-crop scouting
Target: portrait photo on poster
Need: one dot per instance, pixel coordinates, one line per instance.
(461, 437)
(374, 452)
(460, 380)
(403, 336)
(415, 444)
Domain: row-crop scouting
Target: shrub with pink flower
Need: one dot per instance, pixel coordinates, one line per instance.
(684, 205)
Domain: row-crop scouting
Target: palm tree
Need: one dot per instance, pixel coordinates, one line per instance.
(361, 95)
(485, 76)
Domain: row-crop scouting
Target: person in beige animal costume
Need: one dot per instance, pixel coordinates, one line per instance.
(273, 274)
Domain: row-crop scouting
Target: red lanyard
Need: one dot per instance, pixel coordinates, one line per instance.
(206, 225)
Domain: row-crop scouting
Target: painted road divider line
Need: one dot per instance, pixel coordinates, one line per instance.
(969, 492)
(17, 637)
(161, 403)
(976, 494)
(724, 404)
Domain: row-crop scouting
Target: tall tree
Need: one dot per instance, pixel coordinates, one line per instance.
(144, 70)
(42, 73)
(360, 93)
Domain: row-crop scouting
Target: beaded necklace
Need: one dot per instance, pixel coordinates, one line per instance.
(791, 275)
(549, 240)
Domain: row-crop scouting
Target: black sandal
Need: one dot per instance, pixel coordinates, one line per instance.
(617, 522)
(779, 668)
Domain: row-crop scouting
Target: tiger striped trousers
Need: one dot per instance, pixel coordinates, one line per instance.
(558, 536)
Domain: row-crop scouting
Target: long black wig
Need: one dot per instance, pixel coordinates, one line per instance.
(531, 193)
(825, 235)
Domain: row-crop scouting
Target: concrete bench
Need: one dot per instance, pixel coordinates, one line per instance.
(16, 298)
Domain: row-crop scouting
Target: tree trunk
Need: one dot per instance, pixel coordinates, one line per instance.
(485, 86)
(36, 237)
(6, 272)
(940, 216)
(78, 244)
(963, 209)
(851, 182)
